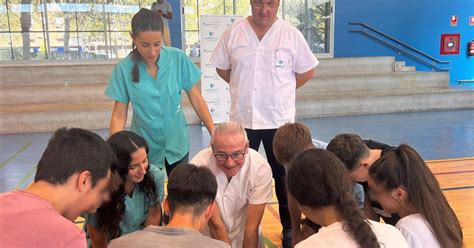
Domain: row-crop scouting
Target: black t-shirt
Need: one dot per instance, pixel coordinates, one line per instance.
(391, 219)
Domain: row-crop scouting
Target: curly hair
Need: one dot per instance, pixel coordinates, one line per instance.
(110, 215)
(317, 178)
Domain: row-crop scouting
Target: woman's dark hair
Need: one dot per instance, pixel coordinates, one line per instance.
(349, 148)
(143, 20)
(405, 168)
(317, 178)
(123, 144)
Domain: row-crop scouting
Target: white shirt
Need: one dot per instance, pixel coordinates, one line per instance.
(334, 236)
(251, 185)
(165, 8)
(262, 78)
(417, 231)
(319, 144)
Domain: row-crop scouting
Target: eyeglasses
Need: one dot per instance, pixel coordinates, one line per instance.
(222, 157)
(260, 5)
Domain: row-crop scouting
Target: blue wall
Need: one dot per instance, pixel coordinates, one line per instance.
(175, 24)
(419, 23)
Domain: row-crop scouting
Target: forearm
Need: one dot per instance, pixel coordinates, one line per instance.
(224, 74)
(217, 227)
(119, 117)
(219, 233)
(251, 238)
(97, 237)
(302, 79)
(200, 107)
(154, 216)
(295, 215)
(117, 124)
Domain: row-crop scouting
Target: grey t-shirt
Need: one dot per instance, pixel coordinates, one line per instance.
(164, 237)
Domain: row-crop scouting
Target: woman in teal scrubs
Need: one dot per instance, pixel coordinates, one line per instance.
(152, 78)
(136, 195)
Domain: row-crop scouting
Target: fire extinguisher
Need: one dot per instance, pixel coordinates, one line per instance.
(470, 48)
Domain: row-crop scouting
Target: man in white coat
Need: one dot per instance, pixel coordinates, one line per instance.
(244, 183)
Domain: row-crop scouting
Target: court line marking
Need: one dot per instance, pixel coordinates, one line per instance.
(273, 211)
(449, 160)
(3, 164)
(26, 176)
(458, 188)
(453, 172)
(269, 243)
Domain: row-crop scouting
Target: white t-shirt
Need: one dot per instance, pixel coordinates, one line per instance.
(262, 78)
(417, 231)
(251, 185)
(334, 236)
(165, 8)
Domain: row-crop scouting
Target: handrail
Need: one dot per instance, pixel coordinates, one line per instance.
(401, 50)
(400, 42)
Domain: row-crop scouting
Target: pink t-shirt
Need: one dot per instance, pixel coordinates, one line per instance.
(27, 220)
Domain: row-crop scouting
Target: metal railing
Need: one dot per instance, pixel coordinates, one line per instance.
(409, 51)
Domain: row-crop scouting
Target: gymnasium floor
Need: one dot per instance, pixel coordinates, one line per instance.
(445, 139)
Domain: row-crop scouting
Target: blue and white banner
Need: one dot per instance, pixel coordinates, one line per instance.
(214, 89)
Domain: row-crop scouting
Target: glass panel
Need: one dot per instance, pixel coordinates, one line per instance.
(243, 7)
(192, 44)
(313, 19)
(22, 21)
(319, 26)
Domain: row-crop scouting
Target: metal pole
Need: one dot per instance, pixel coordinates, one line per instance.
(44, 33)
(9, 30)
(105, 31)
(234, 7)
(48, 44)
(77, 32)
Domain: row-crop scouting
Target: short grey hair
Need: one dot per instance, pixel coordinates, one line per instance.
(229, 129)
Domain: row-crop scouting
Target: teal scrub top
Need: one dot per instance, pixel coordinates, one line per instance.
(136, 207)
(157, 112)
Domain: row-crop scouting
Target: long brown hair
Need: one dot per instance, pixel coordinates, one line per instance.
(317, 178)
(404, 167)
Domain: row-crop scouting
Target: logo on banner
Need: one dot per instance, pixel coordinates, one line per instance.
(211, 88)
(215, 76)
(210, 36)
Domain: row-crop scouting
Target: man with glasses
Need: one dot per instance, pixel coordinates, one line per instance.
(244, 181)
(264, 60)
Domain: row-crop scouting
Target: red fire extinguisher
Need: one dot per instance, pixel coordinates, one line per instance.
(470, 48)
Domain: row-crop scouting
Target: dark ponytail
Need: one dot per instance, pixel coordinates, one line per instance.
(143, 20)
(404, 167)
(354, 222)
(317, 178)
